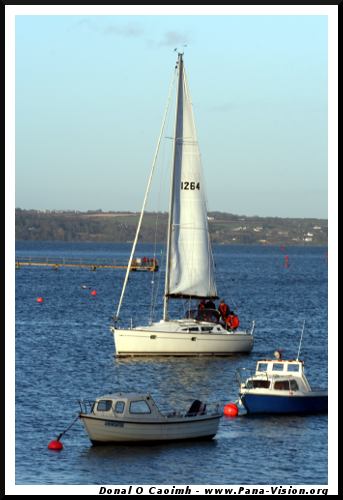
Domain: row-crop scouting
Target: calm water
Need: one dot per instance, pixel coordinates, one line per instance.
(65, 352)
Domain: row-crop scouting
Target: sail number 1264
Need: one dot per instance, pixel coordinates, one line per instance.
(186, 185)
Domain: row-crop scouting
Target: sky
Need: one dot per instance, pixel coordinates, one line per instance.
(90, 92)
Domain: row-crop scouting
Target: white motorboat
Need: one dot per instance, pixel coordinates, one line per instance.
(135, 418)
(189, 262)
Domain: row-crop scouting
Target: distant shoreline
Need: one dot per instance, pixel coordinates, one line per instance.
(129, 243)
(120, 227)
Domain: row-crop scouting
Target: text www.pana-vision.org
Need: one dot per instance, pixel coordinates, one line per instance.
(195, 490)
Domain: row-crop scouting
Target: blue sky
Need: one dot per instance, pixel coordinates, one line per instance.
(90, 92)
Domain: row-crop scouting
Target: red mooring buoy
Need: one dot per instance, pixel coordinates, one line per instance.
(55, 445)
(40, 300)
(93, 292)
(231, 410)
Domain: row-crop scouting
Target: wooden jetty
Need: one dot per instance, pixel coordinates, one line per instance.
(139, 264)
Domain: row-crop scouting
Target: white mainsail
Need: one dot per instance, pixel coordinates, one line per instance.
(191, 268)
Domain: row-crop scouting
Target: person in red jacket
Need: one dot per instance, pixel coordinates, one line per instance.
(232, 321)
(201, 305)
(223, 309)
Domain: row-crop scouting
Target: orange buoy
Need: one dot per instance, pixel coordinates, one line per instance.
(55, 445)
(93, 292)
(40, 300)
(231, 410)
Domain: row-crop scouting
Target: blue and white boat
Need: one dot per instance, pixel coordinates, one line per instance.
(279, 386)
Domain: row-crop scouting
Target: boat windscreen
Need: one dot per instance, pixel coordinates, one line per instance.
(281, 385)
(258, 384)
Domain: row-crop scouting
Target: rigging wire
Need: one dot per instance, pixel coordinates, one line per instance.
(155, 289)
(145, 197)
(160, 193)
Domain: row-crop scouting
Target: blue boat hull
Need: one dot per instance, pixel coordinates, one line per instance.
(264, 403)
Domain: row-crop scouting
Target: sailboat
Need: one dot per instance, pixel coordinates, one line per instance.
(189, 273)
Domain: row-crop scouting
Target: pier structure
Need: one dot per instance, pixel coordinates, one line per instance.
(139, 264)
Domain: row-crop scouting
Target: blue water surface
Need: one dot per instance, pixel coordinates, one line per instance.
(65, 352)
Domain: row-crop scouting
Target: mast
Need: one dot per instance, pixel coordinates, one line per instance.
(179, 99)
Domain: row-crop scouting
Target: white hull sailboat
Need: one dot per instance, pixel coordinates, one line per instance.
(181, 338)
(189, 261)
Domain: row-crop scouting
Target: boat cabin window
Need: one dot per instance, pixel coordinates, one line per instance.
(193, 329)
(258, 384)
(119, 407)
(139, 407)
(206, 328)
(278, 367)
(293, 385)
(262, 367)
(293, 368)
(104, 405)
(282, 385)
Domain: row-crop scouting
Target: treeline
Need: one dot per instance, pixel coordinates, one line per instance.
(85, 226)
(120, 227)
